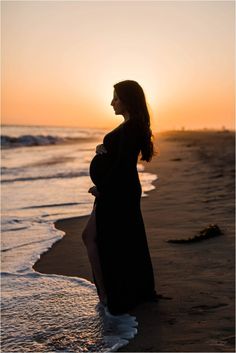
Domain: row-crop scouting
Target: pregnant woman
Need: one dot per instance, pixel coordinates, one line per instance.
(115, 234)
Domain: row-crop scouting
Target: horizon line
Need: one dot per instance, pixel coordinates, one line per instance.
(182, 129)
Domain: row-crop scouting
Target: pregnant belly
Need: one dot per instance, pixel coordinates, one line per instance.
(99, 167)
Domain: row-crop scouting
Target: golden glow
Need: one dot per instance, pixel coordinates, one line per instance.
(61, 70)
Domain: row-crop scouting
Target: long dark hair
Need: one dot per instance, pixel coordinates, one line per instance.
(132, 96)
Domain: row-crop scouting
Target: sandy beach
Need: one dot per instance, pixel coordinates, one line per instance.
(195, 188)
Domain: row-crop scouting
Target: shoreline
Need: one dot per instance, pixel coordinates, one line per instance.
(187, 197)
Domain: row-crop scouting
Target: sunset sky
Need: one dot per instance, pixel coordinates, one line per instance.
(60, 60)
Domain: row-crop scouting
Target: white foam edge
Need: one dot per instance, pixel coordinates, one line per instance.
(125, 323)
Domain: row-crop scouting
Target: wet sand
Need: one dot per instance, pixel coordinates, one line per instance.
(195, 188)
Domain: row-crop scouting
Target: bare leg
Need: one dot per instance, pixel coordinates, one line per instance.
(89, 239)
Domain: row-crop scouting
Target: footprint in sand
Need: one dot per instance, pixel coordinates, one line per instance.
(229, 340)
(224, 343)
(202, 308)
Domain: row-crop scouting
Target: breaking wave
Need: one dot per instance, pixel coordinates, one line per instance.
(39, 140)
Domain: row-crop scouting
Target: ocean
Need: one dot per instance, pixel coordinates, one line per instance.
(45, 177)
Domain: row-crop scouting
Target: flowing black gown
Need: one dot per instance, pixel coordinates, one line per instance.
(121, 239)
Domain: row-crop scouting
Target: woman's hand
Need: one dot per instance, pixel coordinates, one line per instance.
(100, 149)
(93, 190)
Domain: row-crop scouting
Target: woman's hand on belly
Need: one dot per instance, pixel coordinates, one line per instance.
(93, 190)
(100, 149)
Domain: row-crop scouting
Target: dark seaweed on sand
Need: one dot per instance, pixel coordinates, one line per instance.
(211, 231)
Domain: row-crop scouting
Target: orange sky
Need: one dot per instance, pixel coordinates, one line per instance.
(60, 61)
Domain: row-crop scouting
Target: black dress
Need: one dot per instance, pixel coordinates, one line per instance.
(121, 239)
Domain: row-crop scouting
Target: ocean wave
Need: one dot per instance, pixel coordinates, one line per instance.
(46, 177)
(39, 140)
(54, 205)
(29, 140)
(27, 244)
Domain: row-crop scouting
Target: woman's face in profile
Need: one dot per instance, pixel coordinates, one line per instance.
(118, 105)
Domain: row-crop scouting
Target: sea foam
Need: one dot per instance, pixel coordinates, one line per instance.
(51, 313)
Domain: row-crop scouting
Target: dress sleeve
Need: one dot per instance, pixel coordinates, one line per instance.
(124, 159)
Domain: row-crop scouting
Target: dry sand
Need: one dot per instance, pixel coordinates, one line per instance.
(195, 188)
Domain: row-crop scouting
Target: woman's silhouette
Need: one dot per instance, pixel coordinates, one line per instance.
(115, 235)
